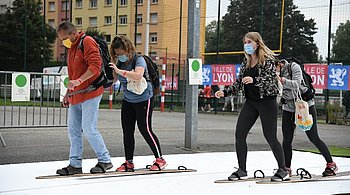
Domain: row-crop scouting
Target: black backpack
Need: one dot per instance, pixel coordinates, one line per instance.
(310, 93)
(105, 78)
(153, 73)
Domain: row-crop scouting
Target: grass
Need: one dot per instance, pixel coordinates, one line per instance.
(335, 151)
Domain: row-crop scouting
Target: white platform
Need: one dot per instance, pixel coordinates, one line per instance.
(20, 178)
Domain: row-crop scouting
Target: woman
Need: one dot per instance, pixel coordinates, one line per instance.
(257, 80)
(137, 106)
(292, 79)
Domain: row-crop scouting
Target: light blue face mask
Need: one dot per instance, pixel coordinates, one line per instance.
(123, 58)
(249, 48)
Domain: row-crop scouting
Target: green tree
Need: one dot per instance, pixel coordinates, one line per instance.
(250, 15)
(341, 44)
(25, 40)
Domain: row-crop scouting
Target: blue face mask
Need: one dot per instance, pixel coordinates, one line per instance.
(249, 48)
(123, 58)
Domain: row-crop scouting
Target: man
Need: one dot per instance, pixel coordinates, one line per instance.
(83, 68)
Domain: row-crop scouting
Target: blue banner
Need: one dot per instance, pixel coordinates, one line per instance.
(338, 77)
(207, 74)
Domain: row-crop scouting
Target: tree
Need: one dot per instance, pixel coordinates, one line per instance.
(25, 40)
(341, 44)
(245, 15)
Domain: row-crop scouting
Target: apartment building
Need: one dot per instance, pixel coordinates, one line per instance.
(4, 4)
(126, 18)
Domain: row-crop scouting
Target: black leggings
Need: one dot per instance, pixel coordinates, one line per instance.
(267, 110)
(288, 128)
(142, 113)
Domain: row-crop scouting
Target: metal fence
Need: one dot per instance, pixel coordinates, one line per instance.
(42, 110)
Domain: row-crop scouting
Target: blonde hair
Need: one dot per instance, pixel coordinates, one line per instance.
(262, 51)
(121, 42)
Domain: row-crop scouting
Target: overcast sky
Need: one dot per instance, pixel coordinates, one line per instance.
(316, 9)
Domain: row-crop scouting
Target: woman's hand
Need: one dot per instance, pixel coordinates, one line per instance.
(247, 80)
(115, 68)
(219, 94)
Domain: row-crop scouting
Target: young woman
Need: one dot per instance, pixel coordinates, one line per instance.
(257, 80)
(137, 106)
(292, 79)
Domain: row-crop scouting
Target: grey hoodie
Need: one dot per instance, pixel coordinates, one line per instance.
(291, 85)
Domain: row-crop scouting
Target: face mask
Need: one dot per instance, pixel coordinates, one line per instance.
(123, 58)
(249, 48)
(67, 43)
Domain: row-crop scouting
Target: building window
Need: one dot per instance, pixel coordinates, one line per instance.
(52, 6)
(154, 1)
(123, 19)
(108, 19)
(79, 4)
(108, 2)
(93, 3)
(153, 37)
(107, 38)
(154, 18)
(138, 38)
(93, 21)
(51, 22)
(124, 2)
(65, 5)
(78, 21)
(139, 19)
(3, 9)
(139, 2)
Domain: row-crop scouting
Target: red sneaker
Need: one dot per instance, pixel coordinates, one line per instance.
(330, 170)
(126, 167)
(158, 164)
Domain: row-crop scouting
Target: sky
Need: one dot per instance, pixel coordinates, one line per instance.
(316, 9)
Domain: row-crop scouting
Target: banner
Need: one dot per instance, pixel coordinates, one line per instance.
(338, 77)
(168, 83)
(63, 86)
(20, 87)
(319, 75)
(223, 74)
(195, 71)
(207, 75)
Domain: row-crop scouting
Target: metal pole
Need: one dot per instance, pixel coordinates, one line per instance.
(71, 11)
(172, 86)
(66, 4)
(180, 39)
(328, 53)
(147, 27)
(262, 17)
(193, 51)
(116, 17)
(218, 34)
(25, 38)
(135, 22)
(44, 33)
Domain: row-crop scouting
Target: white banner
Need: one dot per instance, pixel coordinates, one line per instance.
(195, 71)
(63, 86)
(20, 87)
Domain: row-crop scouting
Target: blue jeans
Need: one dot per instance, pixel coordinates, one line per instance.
(82, 118)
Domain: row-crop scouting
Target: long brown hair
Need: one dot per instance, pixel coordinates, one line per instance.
(121, 42)
(262, 51)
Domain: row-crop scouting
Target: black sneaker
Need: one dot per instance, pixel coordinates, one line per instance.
(101, 167)
(238, 175)
(70, 170)
(280, 175)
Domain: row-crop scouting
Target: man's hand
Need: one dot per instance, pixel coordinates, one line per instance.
(65, 101)
(74, 83)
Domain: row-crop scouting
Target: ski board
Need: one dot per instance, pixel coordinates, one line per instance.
(143, 171)
(314, 178)
(256, 177)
